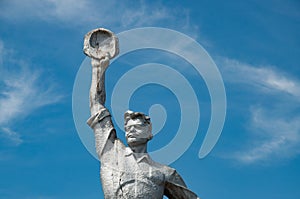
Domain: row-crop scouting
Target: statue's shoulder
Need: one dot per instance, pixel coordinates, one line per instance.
(165, 169)
(171, 175)
(169, 172)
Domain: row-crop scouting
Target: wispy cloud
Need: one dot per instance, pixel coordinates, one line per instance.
(22, 92)
(8, 134)
(276, 137)
(273, 118)
(265, 78)
(48, 10)
(144, 14)
(115, 14)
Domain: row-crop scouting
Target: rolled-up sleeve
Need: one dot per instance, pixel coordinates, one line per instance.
(103, 128)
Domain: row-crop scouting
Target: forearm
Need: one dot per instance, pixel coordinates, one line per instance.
(100, 120)
(97, 90)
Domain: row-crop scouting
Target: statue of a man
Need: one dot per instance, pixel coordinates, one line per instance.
(126, 172)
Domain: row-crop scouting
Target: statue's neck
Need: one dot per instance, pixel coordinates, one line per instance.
(139, 150)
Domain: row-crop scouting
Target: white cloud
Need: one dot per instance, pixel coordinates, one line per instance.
(274, 138)
(48, 10)
(266, 78)
(22, 92)
(274, 120)
(115, 14)
(8, 134)
(144, 15)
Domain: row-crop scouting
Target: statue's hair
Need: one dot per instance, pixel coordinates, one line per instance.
(130, 115)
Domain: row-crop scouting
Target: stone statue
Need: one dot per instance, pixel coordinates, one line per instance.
(126, 172)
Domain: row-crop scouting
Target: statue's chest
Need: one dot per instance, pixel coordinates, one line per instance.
(133, 180)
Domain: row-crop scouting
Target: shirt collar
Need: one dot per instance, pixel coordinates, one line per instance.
(144, 158)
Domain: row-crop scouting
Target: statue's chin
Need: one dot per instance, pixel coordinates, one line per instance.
(136, 141)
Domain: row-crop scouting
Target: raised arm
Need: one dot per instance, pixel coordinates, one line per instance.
(97, 90)
(100, 120)
(100, 45)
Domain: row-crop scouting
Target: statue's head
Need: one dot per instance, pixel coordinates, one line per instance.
(138, 128)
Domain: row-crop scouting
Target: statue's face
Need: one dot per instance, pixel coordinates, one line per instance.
(137, 132)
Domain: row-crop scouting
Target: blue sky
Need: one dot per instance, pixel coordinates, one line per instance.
(255, 45)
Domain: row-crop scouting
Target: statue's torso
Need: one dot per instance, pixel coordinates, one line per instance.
(123, 176)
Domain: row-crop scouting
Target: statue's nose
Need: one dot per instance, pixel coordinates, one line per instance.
(132, 128)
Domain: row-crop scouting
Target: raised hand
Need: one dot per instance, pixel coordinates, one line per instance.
(102, 63)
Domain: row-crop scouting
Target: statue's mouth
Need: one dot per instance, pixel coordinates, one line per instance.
(131, 135)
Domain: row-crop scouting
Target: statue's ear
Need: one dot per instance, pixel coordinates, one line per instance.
(150, 137)
(150, 129)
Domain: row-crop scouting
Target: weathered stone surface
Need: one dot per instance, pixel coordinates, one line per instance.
(99, 43)
(126, 172)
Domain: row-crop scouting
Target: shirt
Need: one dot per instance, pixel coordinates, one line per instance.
(124, 176)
